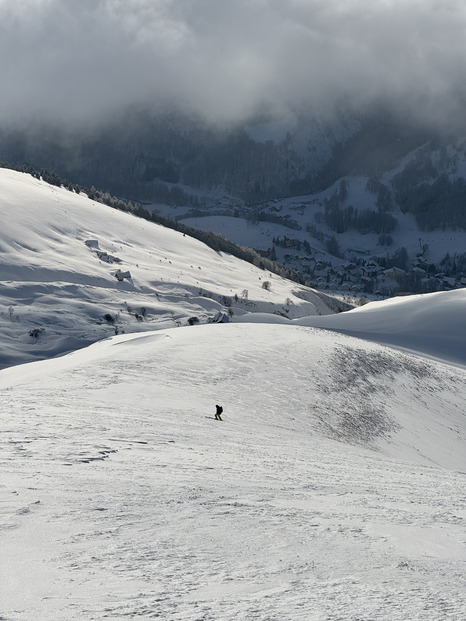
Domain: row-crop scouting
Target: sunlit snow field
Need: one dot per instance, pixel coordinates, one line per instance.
(332, 490)
(329, 491)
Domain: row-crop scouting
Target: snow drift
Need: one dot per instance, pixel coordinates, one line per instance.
(432, 324)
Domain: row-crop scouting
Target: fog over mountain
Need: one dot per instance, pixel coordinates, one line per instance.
(68, 61)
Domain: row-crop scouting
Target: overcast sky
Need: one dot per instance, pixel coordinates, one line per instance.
(82, 59)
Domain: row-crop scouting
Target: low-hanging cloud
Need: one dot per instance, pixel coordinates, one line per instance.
(79, 61)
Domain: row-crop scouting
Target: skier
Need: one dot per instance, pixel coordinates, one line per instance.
(218, 412)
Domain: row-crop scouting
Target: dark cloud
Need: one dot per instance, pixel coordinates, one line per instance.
(69, 60)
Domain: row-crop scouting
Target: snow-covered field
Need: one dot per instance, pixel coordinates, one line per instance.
(333, 490)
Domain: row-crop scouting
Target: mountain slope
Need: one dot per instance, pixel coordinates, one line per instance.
(409, 214)
(361, 187)
(433, 324)
(60, 255)
(332, 489)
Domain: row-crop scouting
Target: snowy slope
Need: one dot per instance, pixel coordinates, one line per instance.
(433, 324)
(333, 488)
(60, 252)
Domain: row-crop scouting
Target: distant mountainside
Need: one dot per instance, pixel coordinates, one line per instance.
(401, 231)
(147, 157)
(368, 190)
(153, 157)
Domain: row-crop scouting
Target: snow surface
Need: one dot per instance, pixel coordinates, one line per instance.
(433, 324)
(59, 255)
(332, 490)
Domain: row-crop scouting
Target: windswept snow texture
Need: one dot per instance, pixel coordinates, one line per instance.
(73, 271)
(333, 489)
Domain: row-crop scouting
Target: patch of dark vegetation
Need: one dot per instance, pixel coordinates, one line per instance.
(36, 332)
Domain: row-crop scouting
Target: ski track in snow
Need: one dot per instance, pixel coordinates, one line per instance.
(120, 500)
